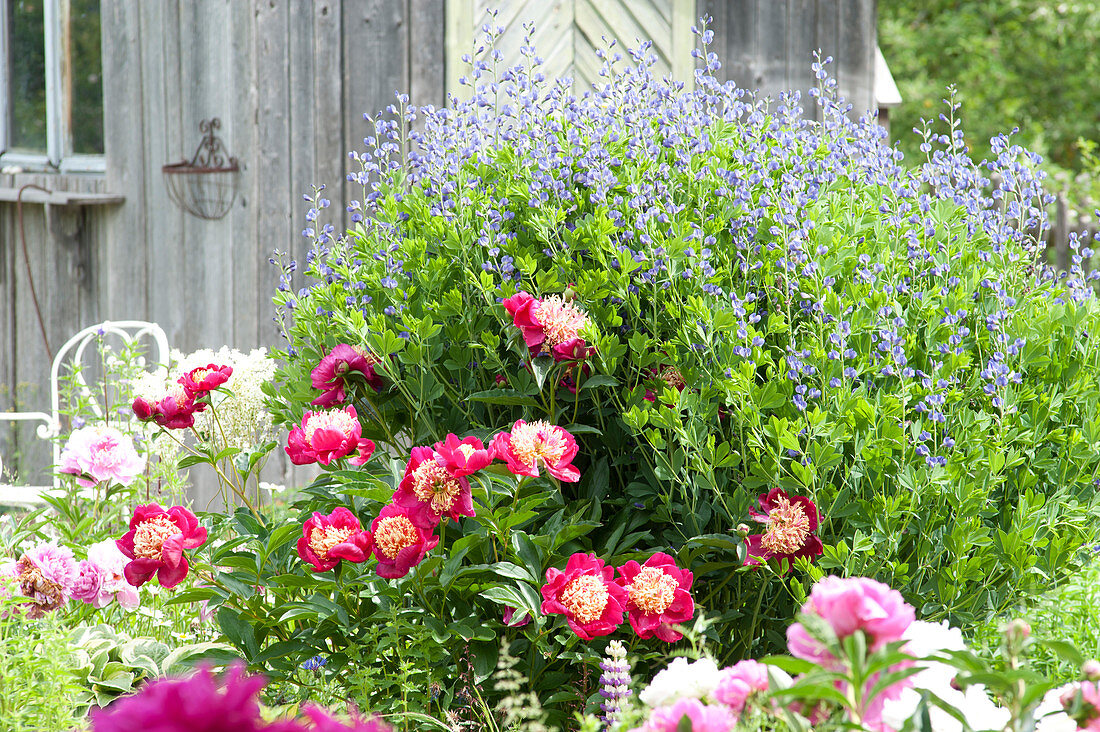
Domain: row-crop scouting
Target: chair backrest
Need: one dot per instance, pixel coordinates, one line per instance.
(73, 352)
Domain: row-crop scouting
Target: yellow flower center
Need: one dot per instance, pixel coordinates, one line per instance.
(32, 583)
(393, 534)
(560, 320)
(178, 392)
(338, 420)
(672, 376)
(198, 375)
(585, 597)
(536, 440)
(432, 483)
(652, 590)
(467, 450)
(321, 540)
(150, 535)
(788, 528)
(365, 353)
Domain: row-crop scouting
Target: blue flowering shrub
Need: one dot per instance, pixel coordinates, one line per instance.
(768, 302)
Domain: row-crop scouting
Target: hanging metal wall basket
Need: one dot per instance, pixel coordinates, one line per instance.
(205, 186)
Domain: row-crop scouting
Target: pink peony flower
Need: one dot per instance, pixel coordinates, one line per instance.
(430, 491)
(328, 539)
(658, 596)
(740, 681)
(199, 382)
(399, 544)
(550, 325)
(46, 574)
(586, 594)
(155, 544)
(702, 718)
(323, 722)
(848, 605)
(196, 704)
(462, 457)
(88, 582)
(342, 361)
(101, 453)
(790, 522)
(529, 444)
(175, 410)
(111, 562)
(326, 436)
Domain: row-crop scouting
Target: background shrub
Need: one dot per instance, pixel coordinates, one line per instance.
(878, 338)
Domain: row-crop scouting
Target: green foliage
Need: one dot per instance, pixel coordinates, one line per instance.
(37, 684)
(109, 663)
(1016, 63)
(880, 340)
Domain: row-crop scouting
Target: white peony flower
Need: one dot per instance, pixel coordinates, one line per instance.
(682, 679)
(1050, 715)
(977, 708)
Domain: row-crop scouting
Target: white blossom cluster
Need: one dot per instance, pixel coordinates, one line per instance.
(243, 420)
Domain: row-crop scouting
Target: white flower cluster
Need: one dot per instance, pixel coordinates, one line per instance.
(682, 679)
(243, 420)
(975, 705)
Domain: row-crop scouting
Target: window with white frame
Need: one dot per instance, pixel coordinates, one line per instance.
(51, 86)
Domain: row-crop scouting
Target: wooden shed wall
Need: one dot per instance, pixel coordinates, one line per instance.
(290, 81)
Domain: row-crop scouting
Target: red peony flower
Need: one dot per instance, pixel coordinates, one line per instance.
(586, 594)
(197, 382)
(328, 539)
(672, 377)
(463, 457)
(326, 436)
(550, 325)
(399, 545)
(790, 522)
(658, 596)
(430, 490)
(528, 444)
(175, 410)
(342, 362)
(155, 544)
(196, 704)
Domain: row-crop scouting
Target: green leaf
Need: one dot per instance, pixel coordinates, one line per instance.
(541, 366)
(508, 397)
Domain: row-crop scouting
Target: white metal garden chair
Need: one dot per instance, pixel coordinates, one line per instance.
(73, 352)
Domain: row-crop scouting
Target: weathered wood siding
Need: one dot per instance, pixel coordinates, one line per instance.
(290, 81)
(769, 44)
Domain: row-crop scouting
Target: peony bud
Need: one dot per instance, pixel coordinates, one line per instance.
(1091, 670)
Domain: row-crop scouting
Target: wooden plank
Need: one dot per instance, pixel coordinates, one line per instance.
(270, 190)
(31, 377)
(856, 54)
(427, 76)
(770, 45)
(460, 25)
(206, 80)
(801, 44)
(7, 327)
(682, 40)
(734, 29)
(166, 141)
(61, 198)
(247, 286)
(376, 56)
(123, 292)
(329, 151)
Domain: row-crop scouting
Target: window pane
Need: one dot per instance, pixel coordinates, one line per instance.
(27, 76)
(85, 77)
